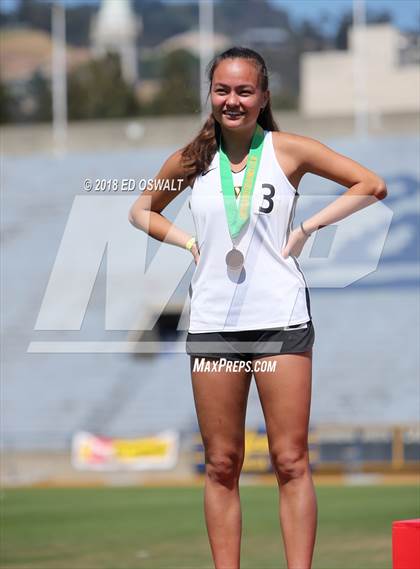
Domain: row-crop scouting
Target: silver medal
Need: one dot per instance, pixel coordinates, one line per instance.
(234, 259)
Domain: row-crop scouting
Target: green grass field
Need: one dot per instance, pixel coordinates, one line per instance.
(162, 528)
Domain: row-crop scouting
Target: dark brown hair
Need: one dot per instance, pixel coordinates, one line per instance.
(199, 153)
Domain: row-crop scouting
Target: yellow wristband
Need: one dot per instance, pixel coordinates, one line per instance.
(190, 243)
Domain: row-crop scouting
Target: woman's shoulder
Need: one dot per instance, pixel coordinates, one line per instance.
(174, 166)
(175, 162)
(173, 169)
(290, 139)
(295, 146)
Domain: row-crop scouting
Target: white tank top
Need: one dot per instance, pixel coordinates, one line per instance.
(269, 291)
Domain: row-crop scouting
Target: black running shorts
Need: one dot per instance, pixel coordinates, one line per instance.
(251, 344)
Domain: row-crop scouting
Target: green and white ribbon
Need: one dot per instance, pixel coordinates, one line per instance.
(238, 216)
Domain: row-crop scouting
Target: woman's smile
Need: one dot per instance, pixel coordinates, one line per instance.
(233, 115)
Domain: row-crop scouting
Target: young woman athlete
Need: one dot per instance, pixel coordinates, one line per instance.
(249, 299)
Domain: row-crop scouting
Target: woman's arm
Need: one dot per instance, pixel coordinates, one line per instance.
(145, 213)
(364, 186)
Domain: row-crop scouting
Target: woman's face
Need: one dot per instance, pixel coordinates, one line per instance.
(236, 95)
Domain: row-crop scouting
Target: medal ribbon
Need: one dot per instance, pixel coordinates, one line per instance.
(238, 216)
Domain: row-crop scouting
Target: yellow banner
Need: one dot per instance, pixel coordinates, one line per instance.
(93, 452)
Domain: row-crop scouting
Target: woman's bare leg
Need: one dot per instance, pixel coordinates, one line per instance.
(220, 400)
(285, 396)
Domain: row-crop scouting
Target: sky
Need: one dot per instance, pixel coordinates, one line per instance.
(406, 13)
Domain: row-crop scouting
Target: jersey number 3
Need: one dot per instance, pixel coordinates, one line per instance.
(269, 198)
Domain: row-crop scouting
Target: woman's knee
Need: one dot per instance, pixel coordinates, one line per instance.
(290, 462)
(224, 466)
